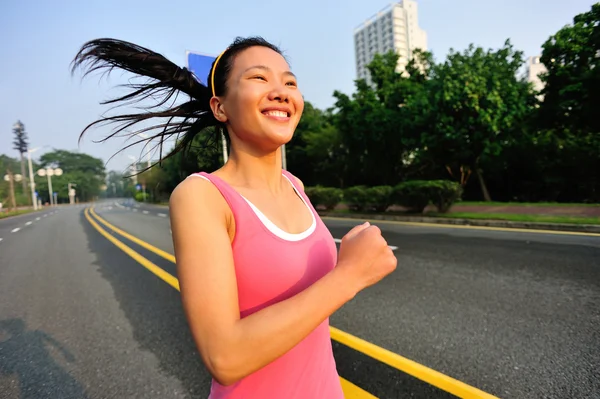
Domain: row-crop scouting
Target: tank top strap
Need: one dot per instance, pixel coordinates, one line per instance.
(235, 201)
(298, 188)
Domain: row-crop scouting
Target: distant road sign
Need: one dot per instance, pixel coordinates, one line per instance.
(200, 65)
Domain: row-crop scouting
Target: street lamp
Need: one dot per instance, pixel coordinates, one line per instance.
(31, 181)
(49, 172)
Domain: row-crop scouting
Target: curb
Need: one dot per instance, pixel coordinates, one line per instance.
(580, 228)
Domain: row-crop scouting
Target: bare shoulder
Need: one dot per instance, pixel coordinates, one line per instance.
(196, 193)
(197, 196)
(298, 181)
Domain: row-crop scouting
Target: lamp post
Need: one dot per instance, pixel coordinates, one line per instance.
(49, 172)
(31, 181)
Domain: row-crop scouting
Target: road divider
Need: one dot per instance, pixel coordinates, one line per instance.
(351, 391)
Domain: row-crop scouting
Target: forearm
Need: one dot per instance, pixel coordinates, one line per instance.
(264, 336)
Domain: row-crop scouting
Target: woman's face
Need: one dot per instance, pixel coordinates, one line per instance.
(263, 104)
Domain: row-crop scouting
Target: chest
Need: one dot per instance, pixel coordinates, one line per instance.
(270, 269)
(288, 211)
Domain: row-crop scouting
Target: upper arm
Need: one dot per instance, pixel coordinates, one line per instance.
(205, 265)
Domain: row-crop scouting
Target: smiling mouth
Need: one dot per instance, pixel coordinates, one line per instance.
(277, 114)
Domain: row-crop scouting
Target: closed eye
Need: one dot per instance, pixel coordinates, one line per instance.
(259, 77)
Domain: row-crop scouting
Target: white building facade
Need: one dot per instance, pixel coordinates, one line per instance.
(534, 69)
(395, 28)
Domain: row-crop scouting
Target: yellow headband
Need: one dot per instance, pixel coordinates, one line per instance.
(212, 74)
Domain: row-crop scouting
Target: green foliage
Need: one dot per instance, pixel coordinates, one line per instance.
(415, 195)
(379, 197)
(357, 198)
(475, 105)
(85, 171)
(443, 194)
(327, 197)
(569, 112)
(140, 197)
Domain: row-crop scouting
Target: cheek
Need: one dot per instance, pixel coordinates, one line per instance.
(299, 104)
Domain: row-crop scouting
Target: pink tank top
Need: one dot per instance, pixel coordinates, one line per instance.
(272, 265)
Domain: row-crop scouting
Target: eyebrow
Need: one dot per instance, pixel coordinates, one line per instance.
(266, 68)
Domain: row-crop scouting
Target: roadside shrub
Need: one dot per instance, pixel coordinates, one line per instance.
(415, 195)
(357, 198)
(444, 194)
(139, 197)
(328, 197)
(380, 197)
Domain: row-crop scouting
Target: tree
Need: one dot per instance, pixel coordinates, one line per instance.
(474, 106)
(21, 145)
(376, 126)
(314, 153)
(569, 112)
(572, 81)
(84, 170)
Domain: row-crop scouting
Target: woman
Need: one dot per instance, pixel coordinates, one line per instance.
(258, 269)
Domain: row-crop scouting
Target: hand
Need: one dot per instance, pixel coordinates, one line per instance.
(365, 257)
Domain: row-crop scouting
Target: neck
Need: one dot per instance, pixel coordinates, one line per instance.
(257, 172)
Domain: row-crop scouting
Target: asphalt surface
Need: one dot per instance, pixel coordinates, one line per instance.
(514, 314)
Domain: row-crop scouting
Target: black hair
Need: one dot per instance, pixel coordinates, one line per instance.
(166, 82)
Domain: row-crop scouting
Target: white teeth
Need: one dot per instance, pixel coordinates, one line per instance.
(280, 114)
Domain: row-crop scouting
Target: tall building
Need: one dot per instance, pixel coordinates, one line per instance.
(534, 69)
(394, 27)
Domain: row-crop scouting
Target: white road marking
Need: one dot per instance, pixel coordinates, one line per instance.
(1, 239)
(28, 223)
(37, 218)
(339, 240)
(45, 215)
(135, 210)
(110, 208)
(162, 215)
(15, 230)
(145, 212)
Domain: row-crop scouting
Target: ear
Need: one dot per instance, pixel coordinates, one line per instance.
(218, 110)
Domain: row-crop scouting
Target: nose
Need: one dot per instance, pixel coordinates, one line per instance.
(279, 93)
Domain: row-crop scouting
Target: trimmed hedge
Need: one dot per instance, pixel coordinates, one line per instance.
(328, 197)
(414, 195)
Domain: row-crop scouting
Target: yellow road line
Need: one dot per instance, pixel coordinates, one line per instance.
(392, 359)
(350, 390)
(144, 244)
(460, 226)
(432, 377)
(166, 277)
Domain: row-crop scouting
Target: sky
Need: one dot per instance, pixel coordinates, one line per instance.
(38, 40)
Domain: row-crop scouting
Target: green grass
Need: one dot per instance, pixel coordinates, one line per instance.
(532, 204)
(15, 213)
(488, 216)
(519, 218)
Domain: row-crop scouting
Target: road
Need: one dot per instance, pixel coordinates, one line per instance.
(516, 315)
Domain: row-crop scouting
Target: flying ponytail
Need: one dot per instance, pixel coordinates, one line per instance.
(166, 81)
